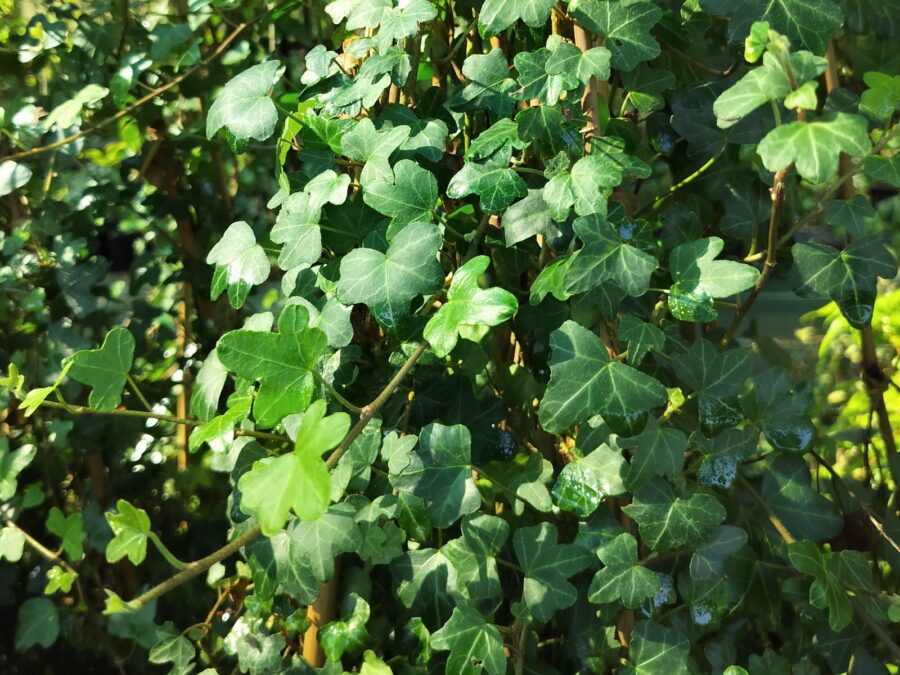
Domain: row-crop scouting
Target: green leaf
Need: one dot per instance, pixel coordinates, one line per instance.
(489, 85)
(59, 579)
(240, 264)
(173, 647)
(12, 544)
(806, 23)
(441, 466)
(207, 389)
(255, 649)
(474, 645)
(70, 529)
(11, 465)
(38, 624)
(660, 452)
(426, 583)
(881, 99)
(105, 369)
(528, 217)
(585, 482)
(297, 227)
(347, 635)
(12, 176)
(468, 305)
(584, 382)
(786, 488)
(699, 278)
(244, 106)
(296, 481)
(667, 522)
(388, 282)
(495, 183)
(709, 559)
(626, 28)
(605, 257)
(547, 566)
(849, 277)
(886, 169)
(408, 196)
(473, 556)
(716, 377)
(807, 558)
(655, 649)
(131, 527)
(67, 114)
(781, 411)
(498, 15)
(641, 337)
(815, 147)
(622, 579)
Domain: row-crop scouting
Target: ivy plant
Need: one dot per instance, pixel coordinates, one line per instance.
(418, 336)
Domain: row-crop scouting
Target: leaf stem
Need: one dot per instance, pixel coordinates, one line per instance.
(137, 392)
(166, 553)
(336, 394)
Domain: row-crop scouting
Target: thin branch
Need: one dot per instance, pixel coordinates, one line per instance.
(771, 250)
(33, 152)
(356, 410)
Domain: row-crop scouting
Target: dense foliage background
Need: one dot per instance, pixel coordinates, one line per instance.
(453, 336)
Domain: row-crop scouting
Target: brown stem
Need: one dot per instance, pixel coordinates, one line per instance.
(47, 554)
(323, 610)
(771, 250)
(32, 152)
(590, 101)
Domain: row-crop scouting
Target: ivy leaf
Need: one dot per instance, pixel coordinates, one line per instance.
(528, 217)
(131, 527)
(546, 125)
(70, 529)
(699, 278)
(441, 466)
(297, 227)
(500, 139)
(622, 578)
(387, 282)
(59, 579)
(641, 337)
(626, 28)
(885, 169)
(468, 305)
(660, 452)
(827, 585)
(547, 566)
(495, 183)
(815, 147)
(584, 382)
(281, 362)
(240, 264)
(807, 23)
(848, 277)
(498, 15)
(11, 465)
(474, 557)
(410, 196)
(256, 651)
(105, 369)
(365, 143)
(13, 176)
(244, 106)
(605, 257)
(12, 544)
(786, 488)
(656, 649)
(38, 624)
(67, 114)
(709, 559)
(474, 645)
(585, 482)
(426, 583)
(667, 522)
(881, 99)
(781, 411)
(173, 647)
(489, 85)
(348, 634)
(716, 377)
(403, 21)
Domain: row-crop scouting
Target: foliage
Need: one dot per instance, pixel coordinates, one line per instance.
(449, 336)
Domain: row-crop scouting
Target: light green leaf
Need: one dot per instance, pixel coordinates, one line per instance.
(130, 526)
(59, 579)
(70, 529)
(584, 382)
(12, 544)
(815, 147)
(296, 481)
(881, 99)
(11, 465)
(622, 579)
(255, 649)
(667, 522)
(408, 196)
(388, 282)
(498, 15)
(655, 649)
(474, 645)
(244, 106)
(281, 362)
(12, 176)
(38, 624)
(547, 566)
(105, 369)
(604, 258)
(240, 264)
(849, 277)
(528, 217)
(496, 184)
(699, 278)
(297, 227)
(468, 305)
(626, 28)
(441, 466)
(806, 23)
(348, 634)
(207, 389)
(67, 114)
(585, 482)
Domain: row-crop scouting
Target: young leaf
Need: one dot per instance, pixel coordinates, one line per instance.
(244, 106)
(468, 305)
(584, 483)
(105, 369)
(70, 529)
(130, 526)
